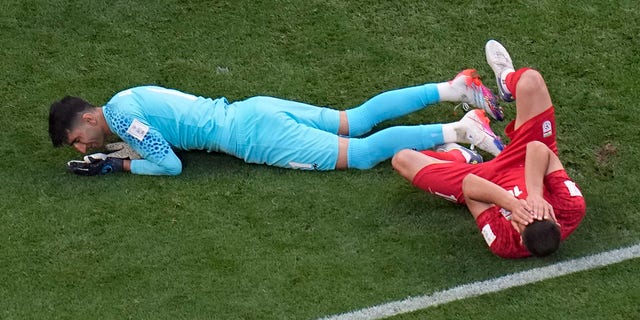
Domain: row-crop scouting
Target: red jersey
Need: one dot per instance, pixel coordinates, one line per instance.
(507, 171)
(562, 193)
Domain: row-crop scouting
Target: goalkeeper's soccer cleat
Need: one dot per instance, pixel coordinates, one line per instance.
(474, 129)
(473, 92)
(471, 156)
(500, 62)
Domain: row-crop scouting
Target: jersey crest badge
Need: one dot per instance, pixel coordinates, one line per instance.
(505, 213)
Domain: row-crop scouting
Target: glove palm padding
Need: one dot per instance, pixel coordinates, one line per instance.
(121, 150)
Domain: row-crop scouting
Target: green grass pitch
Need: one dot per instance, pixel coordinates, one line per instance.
(228, 240)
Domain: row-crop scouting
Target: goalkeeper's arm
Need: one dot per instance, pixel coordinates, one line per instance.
(100, 164)
(119, 157)
(170, 165)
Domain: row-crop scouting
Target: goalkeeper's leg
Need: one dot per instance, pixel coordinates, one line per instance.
(364, 153)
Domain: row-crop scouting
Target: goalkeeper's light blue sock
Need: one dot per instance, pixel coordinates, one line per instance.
(390, 105)
(364, 153)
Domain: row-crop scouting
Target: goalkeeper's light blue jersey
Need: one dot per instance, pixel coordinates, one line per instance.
(153, 120)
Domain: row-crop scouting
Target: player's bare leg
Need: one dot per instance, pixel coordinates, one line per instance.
(526, 86)
(343, 128)
(409, 162)
(532, 96)
(343, 153)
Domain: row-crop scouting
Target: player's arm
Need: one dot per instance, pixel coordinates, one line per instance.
(539, 162)
(169, 165)
(481, 194)
(154, 156)
(157, 158)
(100, 164)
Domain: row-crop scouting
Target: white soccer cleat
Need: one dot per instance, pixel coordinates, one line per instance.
(500, 62)
(475, 130)
(472, 156)
(468, 84)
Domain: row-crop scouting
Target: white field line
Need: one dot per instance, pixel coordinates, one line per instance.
(492, 285)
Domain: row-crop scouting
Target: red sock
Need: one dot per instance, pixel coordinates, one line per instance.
(512, 80)
(452, 155)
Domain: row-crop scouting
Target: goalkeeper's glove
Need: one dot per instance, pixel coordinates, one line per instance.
(95, 164)
(121, 150)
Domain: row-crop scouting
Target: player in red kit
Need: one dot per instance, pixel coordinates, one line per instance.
(523, 201)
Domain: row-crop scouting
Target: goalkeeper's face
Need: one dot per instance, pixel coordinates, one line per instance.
(85, 137)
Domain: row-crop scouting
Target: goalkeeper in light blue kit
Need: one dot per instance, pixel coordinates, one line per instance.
(154, 121)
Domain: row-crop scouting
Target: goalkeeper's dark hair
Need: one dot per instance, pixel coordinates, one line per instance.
(541, 238)
(62, 115)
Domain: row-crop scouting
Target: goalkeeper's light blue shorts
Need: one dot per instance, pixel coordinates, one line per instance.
(287, 134)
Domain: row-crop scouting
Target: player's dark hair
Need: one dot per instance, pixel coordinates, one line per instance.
(541, 238)
(62, 115)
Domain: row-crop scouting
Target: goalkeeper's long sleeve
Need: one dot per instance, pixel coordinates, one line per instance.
(170, 165)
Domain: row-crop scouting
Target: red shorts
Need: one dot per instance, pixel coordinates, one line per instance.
(445, 179)
(539, 128)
